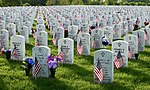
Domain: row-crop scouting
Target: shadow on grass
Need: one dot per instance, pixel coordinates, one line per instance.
(115, 86)
(139, 76)
(142, 63)
(28, 49)
(2, 84)
(81, 72)
(145, 53)
(50, 84)
(14, 64)
(88, 60)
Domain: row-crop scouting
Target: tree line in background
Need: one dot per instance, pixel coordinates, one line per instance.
(72, 2)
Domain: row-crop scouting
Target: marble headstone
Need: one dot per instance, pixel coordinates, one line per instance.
(66, 48)
(24, 32)
(104, 59)
(96, 38)
(41, 53)
(133, 44)
(41, 38)
(141, 39)
(4, 39)
(121, 46)
(17, 47)
(83, 39)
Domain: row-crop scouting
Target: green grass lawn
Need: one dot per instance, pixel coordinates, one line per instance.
(77, 76)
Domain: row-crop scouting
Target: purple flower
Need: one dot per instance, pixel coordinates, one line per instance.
(52, 64)
(50, 58)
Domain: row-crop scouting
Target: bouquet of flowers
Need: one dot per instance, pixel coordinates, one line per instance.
(28, 64)
(7, 53)
(53, 64)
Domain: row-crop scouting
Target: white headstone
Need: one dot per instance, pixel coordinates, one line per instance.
(72, 32)
(141, 39)
(4, 39)
(121, 46)
(58, 34)
(2, 24)
(17, 47)
(83, 40)
(40, 27)
(11, 27)
(66, 48)
(108, 31)
(24, 32)
(85, 28)
(29, 25)
(133, 44)
(147, 36)
(104, 59)
(96, 38)
(41, 38)
(41, 53)
(117, 31)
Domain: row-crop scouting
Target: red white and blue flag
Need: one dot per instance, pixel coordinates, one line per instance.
(98, 72)
(118, 60)
(146, 35)
(37, 68)
(139, 39)
(15, 53)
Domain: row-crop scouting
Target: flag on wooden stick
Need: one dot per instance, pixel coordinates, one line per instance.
(129, 53)
(146, 35)
(15, 53)
(139, 39)
(94, 43)
(98, 72)
(118, 60)
(37, 68)
(79, 48)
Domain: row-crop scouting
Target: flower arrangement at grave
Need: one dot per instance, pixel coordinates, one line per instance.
(53, 63)
(7, 53)
(28, 64)
(105, 41)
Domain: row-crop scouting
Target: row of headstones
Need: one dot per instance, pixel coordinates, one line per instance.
(78, 19)
(23, 27)
(66, 46)
(83, 40)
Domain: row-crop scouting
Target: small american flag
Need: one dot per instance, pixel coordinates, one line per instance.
(54, 41)
(93, 43)
(37, 68)
(118, 60)
(129, 53)
(60, 55)
(79, 48)
(34, 35)
(146, 35)
(15, 53)
(139, 39)
(37, 43)
(115, 30)
(2, 50)
(98, 72)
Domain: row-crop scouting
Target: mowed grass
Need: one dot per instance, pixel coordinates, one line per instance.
(77, 76)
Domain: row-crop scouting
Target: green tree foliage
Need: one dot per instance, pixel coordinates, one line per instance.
(49, 2)
(77, 2)
(63, 2)
(73, 2)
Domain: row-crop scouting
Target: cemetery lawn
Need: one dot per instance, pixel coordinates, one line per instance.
(77, 76)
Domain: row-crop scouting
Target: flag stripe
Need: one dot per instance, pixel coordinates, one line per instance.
(98, 73)
(37, 68)
(118, 62)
